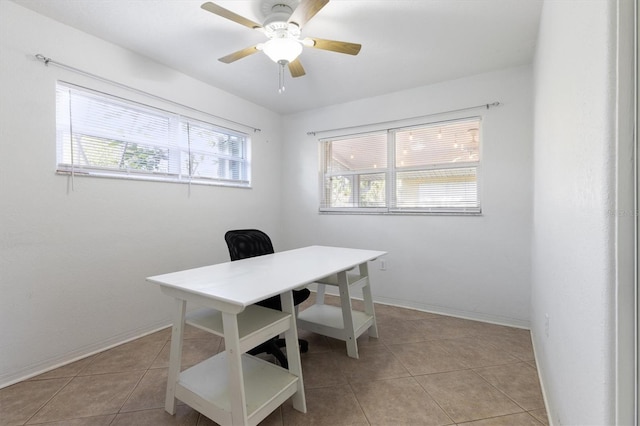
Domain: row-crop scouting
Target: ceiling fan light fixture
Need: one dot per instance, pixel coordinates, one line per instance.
(282, 49)
(283, 22)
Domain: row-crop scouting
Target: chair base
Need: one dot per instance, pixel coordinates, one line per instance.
(272, 347)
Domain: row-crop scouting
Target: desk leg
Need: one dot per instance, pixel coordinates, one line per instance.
(234, 360)
(320, 294)
(347, 315)
(175, 356)
(293, 352)
(368, 300)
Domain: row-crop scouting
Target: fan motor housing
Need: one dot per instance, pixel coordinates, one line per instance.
(276, 25)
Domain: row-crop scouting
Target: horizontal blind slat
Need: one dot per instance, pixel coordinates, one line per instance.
(104, 135)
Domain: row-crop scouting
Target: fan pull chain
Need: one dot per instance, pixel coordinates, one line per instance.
(281, 76)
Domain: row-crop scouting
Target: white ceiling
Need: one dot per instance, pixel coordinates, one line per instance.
(405, 43)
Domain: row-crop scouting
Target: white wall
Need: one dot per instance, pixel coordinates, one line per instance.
(471, 266)
(72, 264)
(573, 278)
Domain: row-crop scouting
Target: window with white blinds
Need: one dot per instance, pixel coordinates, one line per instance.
(351, 179)
(102, 135)
(430, 168)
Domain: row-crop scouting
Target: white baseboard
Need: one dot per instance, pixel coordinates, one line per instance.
(78, 354)
(541, 381)
(441, 310)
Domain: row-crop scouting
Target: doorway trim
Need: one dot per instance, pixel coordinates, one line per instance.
(625, 215)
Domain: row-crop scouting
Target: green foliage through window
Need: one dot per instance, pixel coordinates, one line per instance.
(98, 134)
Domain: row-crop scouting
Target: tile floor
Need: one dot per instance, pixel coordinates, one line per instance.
(425, 369)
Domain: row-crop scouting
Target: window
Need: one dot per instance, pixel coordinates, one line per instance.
(424, 169)
(102, 135)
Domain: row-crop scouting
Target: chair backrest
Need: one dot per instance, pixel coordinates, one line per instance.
(245, 243)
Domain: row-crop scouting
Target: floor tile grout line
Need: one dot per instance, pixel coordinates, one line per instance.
(412, 376)
(90, 362)
(524, 410)
(436, 402)
(499, 390)
(113, 420)
(48, 400)
(364, 413)
(504, 392)
(505, 415)
(133, 389)
(536, 419)
(468, 367)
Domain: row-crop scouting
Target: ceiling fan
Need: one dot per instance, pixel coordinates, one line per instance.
(282, 26)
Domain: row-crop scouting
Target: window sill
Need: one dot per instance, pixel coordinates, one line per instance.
(154, 178)
(402, 213)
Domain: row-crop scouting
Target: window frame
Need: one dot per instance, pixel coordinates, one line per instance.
(392, 171)
(178, 144)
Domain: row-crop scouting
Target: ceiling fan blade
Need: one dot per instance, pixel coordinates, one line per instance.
(334, 46)
(296, 69)
(239, 54)
(221, 11)
(306, 10)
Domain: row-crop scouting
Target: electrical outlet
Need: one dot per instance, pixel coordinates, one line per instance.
(546, 325)
(383, 264)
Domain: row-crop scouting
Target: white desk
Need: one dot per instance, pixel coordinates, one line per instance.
(234, 387)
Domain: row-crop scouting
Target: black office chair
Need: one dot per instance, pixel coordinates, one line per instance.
(245, 243)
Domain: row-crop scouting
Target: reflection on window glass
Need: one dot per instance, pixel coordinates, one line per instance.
(434, 169)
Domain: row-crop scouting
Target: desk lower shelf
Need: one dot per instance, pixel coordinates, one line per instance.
(266, 386)
(328, 321)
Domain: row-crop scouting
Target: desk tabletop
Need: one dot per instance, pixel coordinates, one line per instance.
(245, 282)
